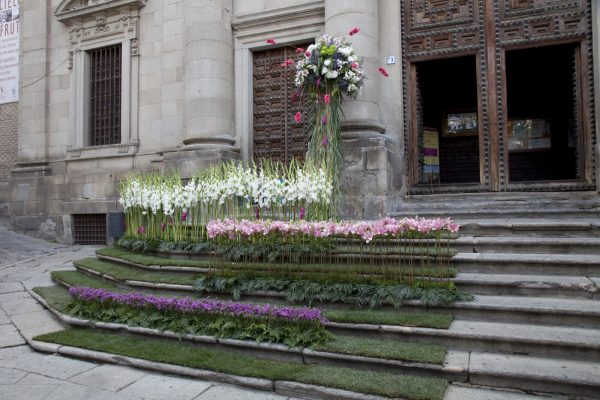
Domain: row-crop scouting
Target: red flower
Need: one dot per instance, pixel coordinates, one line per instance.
(184, 216)
(287, 62)
(354, 31)
(298, 117)
(299, 50)
(294, 96)
(271, 41)
(327, 99)
(383, 72)
(307, 53)
(354, 65)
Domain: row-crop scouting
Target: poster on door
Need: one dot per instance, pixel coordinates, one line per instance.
(431, 155)
(9, 51)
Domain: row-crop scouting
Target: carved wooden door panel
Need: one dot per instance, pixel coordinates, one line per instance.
(485, 30)
(276, 134)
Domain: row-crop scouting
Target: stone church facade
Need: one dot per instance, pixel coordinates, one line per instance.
(483, 96)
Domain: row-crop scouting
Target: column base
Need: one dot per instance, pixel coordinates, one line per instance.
(189, 159)
(370, 177)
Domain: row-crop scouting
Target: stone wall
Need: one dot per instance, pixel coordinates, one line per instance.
(9, 117)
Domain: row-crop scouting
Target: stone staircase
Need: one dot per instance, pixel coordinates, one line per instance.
(533, 330)
(533, 262)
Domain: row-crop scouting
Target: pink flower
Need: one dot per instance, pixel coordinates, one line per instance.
(271, 41)
(354, 65)
(301, 216)
(326, 99)
(325, 142)
(299, 50)
(324, 119)
(163, 226)
(383, 72)
(307, 53)
(287, 62)
(294, 96)
(354, 31)
(184, 215)
(141, 230)
(298, 117)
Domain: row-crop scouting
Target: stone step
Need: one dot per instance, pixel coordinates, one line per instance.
(524, 244)
(549, 311)
(547, 227)
(530, 285)
(534, 264)
(499, 337)
(533, 310)
(463, 392)
(537, 374)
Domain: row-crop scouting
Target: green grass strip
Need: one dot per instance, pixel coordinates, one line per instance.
(423, 319)
(57, 297)
(388, 349)
(343, 269)
(428, 319)
(122, 273)
(188, 355)
(76, 278)
(145, 259)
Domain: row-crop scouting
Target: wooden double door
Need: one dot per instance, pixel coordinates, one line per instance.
(498, 95)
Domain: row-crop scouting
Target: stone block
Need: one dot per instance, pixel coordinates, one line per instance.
(28, 223)
(162, 387)
(109, 377)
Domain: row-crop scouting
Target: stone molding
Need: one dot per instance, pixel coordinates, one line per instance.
(93, 152)
(289, 25)
(70, 11)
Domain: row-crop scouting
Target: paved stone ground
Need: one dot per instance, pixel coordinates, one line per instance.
(24, 374)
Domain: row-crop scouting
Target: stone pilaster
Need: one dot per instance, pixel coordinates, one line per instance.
(33, 94)
(596, 54)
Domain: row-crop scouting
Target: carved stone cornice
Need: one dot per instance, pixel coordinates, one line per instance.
(69, 11)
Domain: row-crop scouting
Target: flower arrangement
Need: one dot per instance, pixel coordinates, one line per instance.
(366, 230)
(162, 207)
(191, 305)
(329, 67)
(293, 326)
(325, 72)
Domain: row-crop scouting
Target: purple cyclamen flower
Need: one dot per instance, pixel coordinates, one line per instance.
(184, 215)
(301, 216)
(141, 230)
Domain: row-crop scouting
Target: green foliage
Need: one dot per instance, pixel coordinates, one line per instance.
(290, 333)
(311, 292)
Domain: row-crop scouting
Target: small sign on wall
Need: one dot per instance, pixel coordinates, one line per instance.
(9, 51)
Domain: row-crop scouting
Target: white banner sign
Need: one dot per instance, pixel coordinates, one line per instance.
(9, 51)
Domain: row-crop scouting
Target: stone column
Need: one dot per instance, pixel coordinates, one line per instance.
(362, 114)
(209, 87)
(368, 154)
(208, 136)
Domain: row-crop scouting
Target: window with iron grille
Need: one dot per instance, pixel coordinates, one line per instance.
(276, 135)
(89, 228)
(105, 95)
